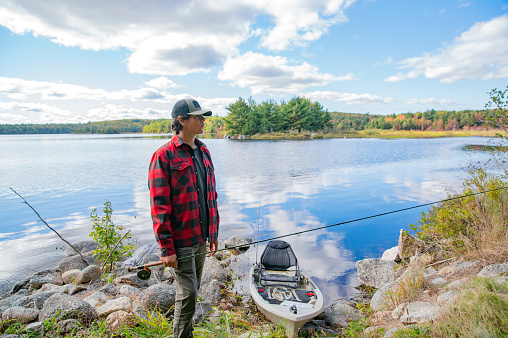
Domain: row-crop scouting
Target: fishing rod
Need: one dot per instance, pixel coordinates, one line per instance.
(146, 274)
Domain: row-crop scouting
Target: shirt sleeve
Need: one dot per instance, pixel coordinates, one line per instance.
(160, 202)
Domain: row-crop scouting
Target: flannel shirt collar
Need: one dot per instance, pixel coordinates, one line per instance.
(177, 141)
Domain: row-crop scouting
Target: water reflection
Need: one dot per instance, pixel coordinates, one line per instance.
(284, 186)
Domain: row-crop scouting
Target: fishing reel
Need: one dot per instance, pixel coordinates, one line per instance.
(144, 272)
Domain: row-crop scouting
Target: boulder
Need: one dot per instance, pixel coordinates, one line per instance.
(109, 289)
(88, 274)
(41, 278)
(391, 255)
(119, 319)
(213, 269)
(375, 272)
(97, 298)
(20, 314)
(140, 253)
(9, 301)
(70, 276)
(160, 297)
(203, 310)
(447, 297)
(36, 328)
(150, 258)
(129, 291)
(340, 314)
(382, 299)
(458, 283)
(62, 306)
(494, 270)
(35, 301)
(440, 281)
(117, 304)
(420, 312)
(20, 285)
(53, 288)
(68, 325)
(211, 290)
(81, 246)
(75, 262)
(239, 245)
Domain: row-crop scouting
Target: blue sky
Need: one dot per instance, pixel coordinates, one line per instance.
(80, 61)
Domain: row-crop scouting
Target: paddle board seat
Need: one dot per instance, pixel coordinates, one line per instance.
(279, 265)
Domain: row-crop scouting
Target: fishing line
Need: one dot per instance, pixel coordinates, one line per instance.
(259, 216)
(345, 222)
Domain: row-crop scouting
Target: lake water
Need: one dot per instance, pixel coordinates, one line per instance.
(284, 186)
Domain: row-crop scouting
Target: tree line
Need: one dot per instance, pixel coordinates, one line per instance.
(102, 127)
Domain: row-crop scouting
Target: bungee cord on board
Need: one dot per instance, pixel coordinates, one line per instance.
(333, 225)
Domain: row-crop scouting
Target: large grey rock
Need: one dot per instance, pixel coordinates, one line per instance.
(203, 310)
(41, 278)
(494, 270)
(391, 255)
(140, 253)
(117, 304)
(129, 291)
(96, 298)
(211, 290)
(81, 246)
(375, 272)
(160, 297)
(75, 262)
(62, 306)
(239, 245)
(35, 301)
(340, 314)
(9, 301)
(213, 269)
(69, 276)
(88, 274)
(20, 314)
(52, 287)
(382, 299)
(440, 281)
(447, 297)
(420, 312)
(109, 289)
(20, 285)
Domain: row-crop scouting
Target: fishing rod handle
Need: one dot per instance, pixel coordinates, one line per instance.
(131, 268)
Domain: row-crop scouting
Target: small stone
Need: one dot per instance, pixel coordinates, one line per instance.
(160, 297)
(122, 303)
(61, 306)
(70, 276)
(90, 273)
(203, 310)
(97, 298)
(420, 312)
(129, 291)
(119, 319)
(109, 289)
(68, 325)
(240, 244)
(37, 328)
(340, 314)
(458, 283)
(439, 281)
(391, 254)
(447, 297)
(75, 262)
(20, 314)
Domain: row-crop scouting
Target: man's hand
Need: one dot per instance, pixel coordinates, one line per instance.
(170, 261)
(212, 246)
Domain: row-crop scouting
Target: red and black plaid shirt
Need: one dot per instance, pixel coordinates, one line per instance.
(174, 196)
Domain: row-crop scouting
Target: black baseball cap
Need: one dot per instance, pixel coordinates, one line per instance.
(189, 107)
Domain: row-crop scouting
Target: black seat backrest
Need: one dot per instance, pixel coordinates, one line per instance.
(278, 255)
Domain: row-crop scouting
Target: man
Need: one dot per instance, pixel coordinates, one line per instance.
(184, 210)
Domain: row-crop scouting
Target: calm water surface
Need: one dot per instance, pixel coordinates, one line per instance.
(292, 186)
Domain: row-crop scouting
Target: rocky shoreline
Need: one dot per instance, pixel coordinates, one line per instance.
(74, 295)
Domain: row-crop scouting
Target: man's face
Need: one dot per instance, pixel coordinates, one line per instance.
(195, 124)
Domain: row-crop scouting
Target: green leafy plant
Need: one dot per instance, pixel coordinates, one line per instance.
(109, 238)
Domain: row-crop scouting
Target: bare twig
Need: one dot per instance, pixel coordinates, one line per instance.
(63, 239)
(446, 260)
(103, 264)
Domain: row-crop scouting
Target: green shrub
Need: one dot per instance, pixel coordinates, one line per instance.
(107, 234)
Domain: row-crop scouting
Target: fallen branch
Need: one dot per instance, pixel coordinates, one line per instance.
(63, 239)
(446, 260)
(103, 264)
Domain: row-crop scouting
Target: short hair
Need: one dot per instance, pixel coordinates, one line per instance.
(176, 125)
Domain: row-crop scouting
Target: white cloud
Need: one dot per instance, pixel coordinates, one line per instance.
(479, 53)
(119, 112)
(176, 37)
(162, 82)
(301, 21)
(33, 108)
(274, 75)
(431, 101)
(348, 98)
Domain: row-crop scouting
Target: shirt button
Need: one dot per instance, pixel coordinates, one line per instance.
(201, 222)
(198, 189)
(196, 172)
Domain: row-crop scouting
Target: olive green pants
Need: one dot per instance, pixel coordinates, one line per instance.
(187, 279)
